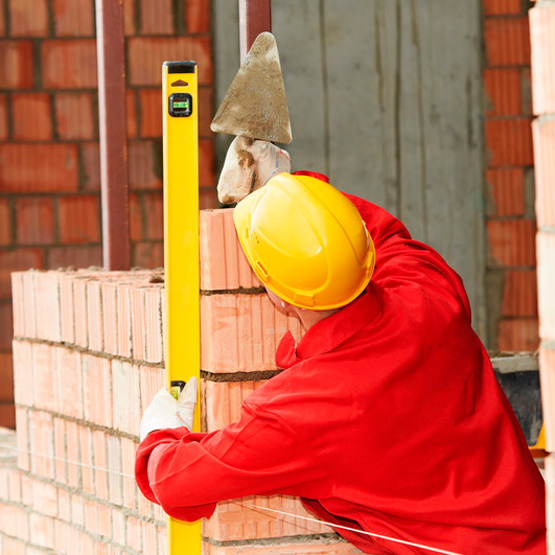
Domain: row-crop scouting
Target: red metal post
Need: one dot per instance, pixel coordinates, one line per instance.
(255, 17)
(113, 137)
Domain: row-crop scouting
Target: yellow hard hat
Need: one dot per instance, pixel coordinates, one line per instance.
(305, 241)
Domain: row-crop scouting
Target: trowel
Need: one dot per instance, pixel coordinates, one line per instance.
(255, 110)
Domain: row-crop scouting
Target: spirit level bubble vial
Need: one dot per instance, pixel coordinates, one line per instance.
(181, 251)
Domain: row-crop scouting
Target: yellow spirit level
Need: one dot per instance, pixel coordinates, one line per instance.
(181, 251)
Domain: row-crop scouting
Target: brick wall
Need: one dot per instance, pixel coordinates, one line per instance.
(542, 29)
(49, 160)
(88, 359)
(510, 218)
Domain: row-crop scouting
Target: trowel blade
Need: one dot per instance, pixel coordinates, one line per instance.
(255, 105)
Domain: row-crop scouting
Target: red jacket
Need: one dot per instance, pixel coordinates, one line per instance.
(387, 417)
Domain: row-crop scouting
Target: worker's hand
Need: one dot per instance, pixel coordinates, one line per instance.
(165, 412)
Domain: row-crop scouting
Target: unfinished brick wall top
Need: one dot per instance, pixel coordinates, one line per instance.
(88, 357)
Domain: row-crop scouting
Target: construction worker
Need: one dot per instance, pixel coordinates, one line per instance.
(387, 417)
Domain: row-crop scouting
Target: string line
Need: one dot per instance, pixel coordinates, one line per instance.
(406, 542)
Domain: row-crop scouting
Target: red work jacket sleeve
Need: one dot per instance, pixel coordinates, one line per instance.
(188, 473)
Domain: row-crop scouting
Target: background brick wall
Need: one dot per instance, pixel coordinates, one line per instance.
(542, 29)
(510, 217)
(88, 359)
(49, 159)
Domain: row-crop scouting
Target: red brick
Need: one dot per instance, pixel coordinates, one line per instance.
(73, 461)
(75, 118)
(503, 88)
(206, 163)
(28, 18)
(87, 453)
(22, 427)
(135, 217)
(520, 294)
(138, 323)
(104, 521)
(2, 21)
(134, 534)
(69, 64)
(115, 468)
(154, 302)
(15, 519)
(15, 493)
(70, 383)
(18, 304)
(47, 300)
(509, 142)
(16, 64)
(146, 56)
(94, 316)
(126, 397)
(512, 242)
(90, 166)
(222, 401)
(97, 380)
(42, 445)
(150, 537)
(79, 257)
(7, 415)
(23, 378)
(149, 255)
(60, 464)
(507, 41)
(79, 219)
(43, 530)
(156, 17)
(544, 147)
(6, 376)
(144, 165)
(5, 222)
(154, 220)
(34, 220)
(128, 450)
(518, 335)
(6, 329)
(80, 311)
(4, 132)
(65, 536)
(124, 320)
(151, 380)
(197, 16)
(502, 7)
(29, 304)
(100, 462)
(223, 264)
(31, 117)
(45, 498)
(506, 188)
(13, 546)
(45, 378)
(77, 510)
(131, 113)
(542, 36)
(73, 19)
(240, 333)
(546, 278)
(129, 18)
(13, 261)
(67, 308)
(151, 112)
(41, 168)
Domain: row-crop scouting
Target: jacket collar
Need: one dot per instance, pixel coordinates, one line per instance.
(329, 333)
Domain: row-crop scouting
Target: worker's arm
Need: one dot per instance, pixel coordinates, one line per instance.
(187, 473)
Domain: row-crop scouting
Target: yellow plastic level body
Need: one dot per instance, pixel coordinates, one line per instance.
(181, 251)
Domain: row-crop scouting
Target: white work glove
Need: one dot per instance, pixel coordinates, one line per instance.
(165, 412)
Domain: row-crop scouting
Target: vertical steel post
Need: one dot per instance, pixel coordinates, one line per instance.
(255, 17)
(110, 50)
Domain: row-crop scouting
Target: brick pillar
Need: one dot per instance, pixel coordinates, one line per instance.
(240, 330)
(542, 32)
(511, 277)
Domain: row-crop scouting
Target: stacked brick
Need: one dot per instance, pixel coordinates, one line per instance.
(88, 353)
(542, 33)
(510, 220)
(49, 157)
